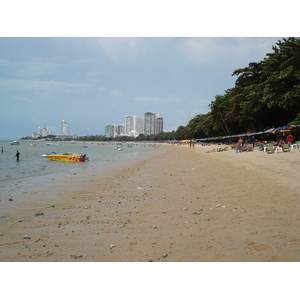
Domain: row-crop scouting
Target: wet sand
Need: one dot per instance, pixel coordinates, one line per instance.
(176, 205)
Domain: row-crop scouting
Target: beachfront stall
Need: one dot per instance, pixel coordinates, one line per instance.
(267, 135)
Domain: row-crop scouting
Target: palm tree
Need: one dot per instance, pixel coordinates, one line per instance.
(218, 110)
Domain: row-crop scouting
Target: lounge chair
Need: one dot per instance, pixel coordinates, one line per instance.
(277, 149)
(295, 145)
(286, 148)
(270, 149)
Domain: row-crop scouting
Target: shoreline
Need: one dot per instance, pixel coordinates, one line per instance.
(180, 203)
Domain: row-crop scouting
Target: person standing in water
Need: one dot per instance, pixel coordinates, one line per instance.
(18, 155)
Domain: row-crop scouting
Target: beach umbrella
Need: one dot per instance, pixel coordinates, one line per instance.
(295, 127)
(269, 130)
(285, 128)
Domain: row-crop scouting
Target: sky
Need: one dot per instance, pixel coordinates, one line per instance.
(93, 64)
(92, 82)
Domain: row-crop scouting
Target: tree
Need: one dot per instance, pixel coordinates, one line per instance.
(219, 109)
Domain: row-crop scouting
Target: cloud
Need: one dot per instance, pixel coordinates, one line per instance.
(33, 67)
(220, 52)
(23, 99)
(35, 84)
(124, 49)
(4, 62)
(36, 67)
(115, 93)
(146, 100)
(94, 73)
(217, 52)
(42, 89)
(196, 50)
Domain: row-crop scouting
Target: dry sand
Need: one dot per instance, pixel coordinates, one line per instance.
(178, 205)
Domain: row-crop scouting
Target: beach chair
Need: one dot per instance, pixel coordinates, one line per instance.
(270, 149)
(294, 146)
(298, 144)
(286, 148)
(277, 149)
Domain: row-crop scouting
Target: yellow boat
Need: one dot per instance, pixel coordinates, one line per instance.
(67, 157)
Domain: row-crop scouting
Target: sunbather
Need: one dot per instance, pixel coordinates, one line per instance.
(281, 143)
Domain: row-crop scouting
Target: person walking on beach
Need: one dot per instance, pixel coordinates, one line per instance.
(2, 149)
(18, 155)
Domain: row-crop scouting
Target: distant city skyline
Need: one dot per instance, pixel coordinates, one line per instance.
(41, 132)
(152, 123)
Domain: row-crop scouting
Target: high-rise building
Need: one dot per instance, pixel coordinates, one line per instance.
(138, 125)
(159, 124)
(65, 131)
(153, 123)
(65, 127)
(114, 130)
(109, 130)
(149, 123)
(134, 125)
(42, 132)
(128, 124)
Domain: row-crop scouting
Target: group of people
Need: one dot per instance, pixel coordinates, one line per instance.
(192, 144)
(241, 144)
(244, 146)
(279, 143)
(289, 140)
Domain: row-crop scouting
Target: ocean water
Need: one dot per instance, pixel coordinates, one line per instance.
(33, 170)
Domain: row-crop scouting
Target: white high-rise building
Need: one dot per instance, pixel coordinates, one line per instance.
(134, 125)
(43, 132)
(65, 127)
(128, 124)
(139, 125)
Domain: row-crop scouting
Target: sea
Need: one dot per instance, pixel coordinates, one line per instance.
(34, 170)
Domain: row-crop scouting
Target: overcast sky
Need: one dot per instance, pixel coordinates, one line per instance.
(53, 66)
(92, 82)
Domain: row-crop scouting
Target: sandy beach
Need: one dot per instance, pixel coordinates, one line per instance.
(176, 205)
